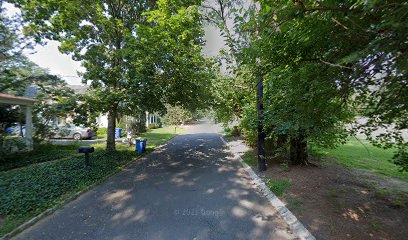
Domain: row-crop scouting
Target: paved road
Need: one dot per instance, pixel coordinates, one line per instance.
(189, 189)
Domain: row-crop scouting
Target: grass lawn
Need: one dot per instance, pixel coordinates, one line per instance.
(37, 185)
(156, 137)
(363, 155)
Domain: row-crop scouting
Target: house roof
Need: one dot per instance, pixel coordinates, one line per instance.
(15, 100)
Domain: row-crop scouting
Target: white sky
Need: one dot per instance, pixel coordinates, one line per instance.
(60, 64)
(57, 63)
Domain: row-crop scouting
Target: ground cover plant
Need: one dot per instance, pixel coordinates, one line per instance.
(38, 185)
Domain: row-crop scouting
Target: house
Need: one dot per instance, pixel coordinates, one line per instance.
(27, 103)
(102, 120)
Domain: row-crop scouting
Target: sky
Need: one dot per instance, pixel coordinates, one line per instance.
(50, 58)
(60, 64)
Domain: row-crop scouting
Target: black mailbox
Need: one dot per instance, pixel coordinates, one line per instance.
(87, 150)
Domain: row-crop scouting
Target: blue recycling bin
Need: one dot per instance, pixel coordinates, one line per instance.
(141, 145)
(118, 132)
(9, 130)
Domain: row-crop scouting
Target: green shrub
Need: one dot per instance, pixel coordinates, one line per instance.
(41, 153)
(137, 126)
(153, 126)
(251, 137)
(235, 131)
(102, 131)
(10, 146)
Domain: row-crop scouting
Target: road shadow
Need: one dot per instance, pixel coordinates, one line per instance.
(190, 188)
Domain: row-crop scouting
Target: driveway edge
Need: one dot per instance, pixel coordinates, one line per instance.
(295, 225)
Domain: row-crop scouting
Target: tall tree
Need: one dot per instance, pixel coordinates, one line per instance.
(18, 75)
(226, 15)
(324, 64)
(112, 40)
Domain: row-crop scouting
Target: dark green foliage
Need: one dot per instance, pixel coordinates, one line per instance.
(138, 127)
(401, 159)
(235, 131)
(153, 126)
(251, 137)
(132, 52)
(9, 145)
(18, 74)
(41, 153)
(8, 116)
(34, 188)
(40, 186)
(324, 64)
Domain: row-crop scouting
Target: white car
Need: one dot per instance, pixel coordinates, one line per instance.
(74, 132)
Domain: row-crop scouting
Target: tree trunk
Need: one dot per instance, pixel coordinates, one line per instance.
(298, 150)
(110, 142)
(261, 135)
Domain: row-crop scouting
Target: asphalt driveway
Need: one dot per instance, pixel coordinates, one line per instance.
(188, 189)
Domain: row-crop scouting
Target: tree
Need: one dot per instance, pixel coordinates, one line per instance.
(333, 74)
(220, 15)
(16, 71)
(170, 57)
(118, 42)
(18, 74)
(176, 115)
(323, 64)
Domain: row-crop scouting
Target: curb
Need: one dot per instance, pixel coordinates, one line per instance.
(295, 225)
(49, 211)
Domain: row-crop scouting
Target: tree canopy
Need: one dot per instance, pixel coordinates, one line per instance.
(137, 55)
(324, 65)
(19, 76)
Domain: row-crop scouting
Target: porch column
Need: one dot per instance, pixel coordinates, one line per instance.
(29, 127)
(147, 119)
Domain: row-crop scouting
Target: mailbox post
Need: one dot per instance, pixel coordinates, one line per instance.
(86, 150)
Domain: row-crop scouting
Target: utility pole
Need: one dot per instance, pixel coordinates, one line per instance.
(260, 111)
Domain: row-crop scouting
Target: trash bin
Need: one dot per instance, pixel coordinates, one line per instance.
(118, 132)
(141, 145)
(9, 130)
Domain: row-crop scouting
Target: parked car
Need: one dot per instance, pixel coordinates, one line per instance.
(74, 132)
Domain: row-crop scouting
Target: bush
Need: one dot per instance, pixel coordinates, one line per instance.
(227, 130)
(10, 146)
(102, 131)
(153, 126)
(235, 131)
(137, 126)
(41, 153)
(251, 137)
